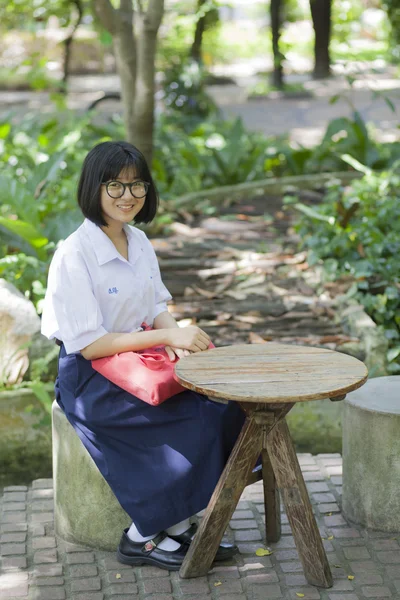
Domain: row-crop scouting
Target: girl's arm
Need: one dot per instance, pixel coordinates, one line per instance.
(164, 321)
(189, 338)
(114, 343)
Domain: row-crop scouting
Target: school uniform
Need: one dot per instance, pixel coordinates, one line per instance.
(162, 462)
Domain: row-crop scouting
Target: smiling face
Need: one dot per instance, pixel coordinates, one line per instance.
(117, 211)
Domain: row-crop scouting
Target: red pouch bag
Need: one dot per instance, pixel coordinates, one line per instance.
(147, 374)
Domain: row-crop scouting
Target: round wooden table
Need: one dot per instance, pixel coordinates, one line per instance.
(267, 380)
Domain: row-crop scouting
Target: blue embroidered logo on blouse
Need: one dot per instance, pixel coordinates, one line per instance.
(113, 290)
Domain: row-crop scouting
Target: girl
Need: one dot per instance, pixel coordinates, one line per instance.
(162, 462)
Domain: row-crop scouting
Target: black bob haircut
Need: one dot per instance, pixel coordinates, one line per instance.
(104, 163)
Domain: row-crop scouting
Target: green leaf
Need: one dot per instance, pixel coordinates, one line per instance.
(105, 38)
(310, 212)
(389, 103)
(334, 99)
(356, 164)
(39, 389)
(393, 353)
(28, 233)
(5, 129)
(263, 552)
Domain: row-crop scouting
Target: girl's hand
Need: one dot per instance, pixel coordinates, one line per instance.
(188, 338)
(176, 352)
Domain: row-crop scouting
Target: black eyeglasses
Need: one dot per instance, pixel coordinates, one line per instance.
(116, 189)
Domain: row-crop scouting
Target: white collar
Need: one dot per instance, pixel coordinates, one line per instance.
(104, 248)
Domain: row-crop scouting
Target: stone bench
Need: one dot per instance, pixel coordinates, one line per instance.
(371, 455)
(83, 500)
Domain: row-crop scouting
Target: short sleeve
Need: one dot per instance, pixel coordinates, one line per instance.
(70, 311)
(162, 295)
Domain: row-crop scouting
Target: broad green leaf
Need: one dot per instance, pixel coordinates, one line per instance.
(393, 353)
(39, 389)
(28, 233)
(356, 164)
(310, 212)
(5, 129)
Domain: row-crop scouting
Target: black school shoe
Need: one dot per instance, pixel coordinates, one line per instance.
(140, 553)
(224, 552)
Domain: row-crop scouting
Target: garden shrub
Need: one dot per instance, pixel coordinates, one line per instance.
(356, 231)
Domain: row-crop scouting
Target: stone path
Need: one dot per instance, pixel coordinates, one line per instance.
(38, 566)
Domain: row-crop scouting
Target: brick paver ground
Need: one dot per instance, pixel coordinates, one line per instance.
(37, 566)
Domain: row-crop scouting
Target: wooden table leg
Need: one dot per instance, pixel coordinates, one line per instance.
(298, 507)
(271, 501)
(223, 502)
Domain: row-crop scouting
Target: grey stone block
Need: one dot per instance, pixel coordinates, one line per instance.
(7, 538)
(14, 590)
(83, 501)
(50, 570)
(13, 562)
(371, 455)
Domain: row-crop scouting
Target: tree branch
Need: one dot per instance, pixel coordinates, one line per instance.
(125, 13)
(106, 14)
(154, 13)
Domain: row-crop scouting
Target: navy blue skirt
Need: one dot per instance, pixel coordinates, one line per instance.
(162, 462)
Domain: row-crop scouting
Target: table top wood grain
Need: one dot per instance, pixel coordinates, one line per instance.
(271, 373)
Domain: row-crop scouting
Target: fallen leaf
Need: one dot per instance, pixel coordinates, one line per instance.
(205, 293)
(188, 291)
(254, 338)
(217, 583)
(118, 576)
(299, 595)
(301, 267)
(330, 537)
(252, 319)
(236, 295)
(351, 577)
(337, 566)
(224, 316)
(225, 283)
(329, 514)
(240, 325)
(187, 215)
(263, 552)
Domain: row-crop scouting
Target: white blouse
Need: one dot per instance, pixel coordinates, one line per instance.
(92, 290)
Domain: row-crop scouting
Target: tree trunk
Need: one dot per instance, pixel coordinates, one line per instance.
(140, 131)
(276, 24)
(135, 57)
(126, 61)
(321, 17)
(195, 51)
(67, 46)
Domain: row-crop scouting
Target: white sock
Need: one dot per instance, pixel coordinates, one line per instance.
(134, 535)
(179, 527)
(167, 544)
